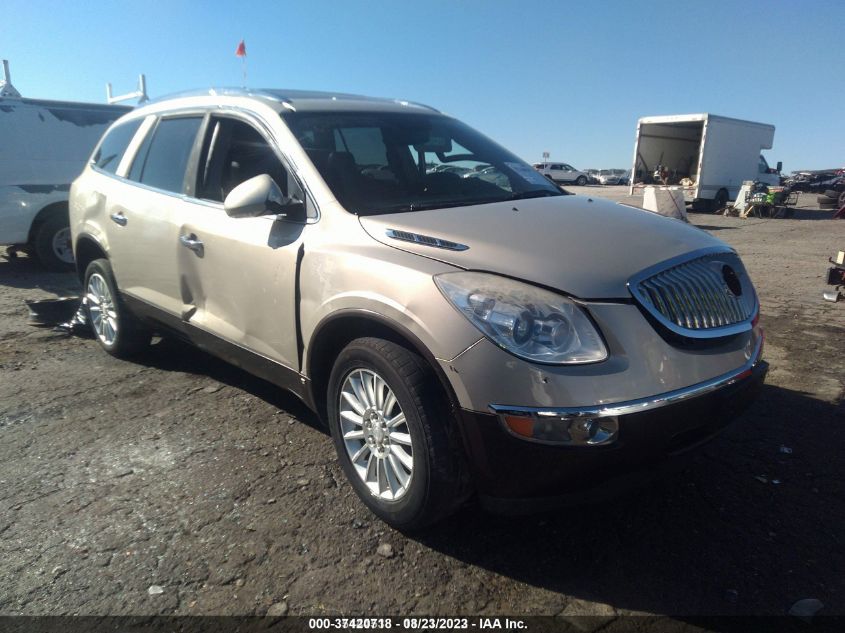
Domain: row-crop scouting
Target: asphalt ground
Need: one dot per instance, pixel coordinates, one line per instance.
(178, 484)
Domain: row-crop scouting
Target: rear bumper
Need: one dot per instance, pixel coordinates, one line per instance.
(515, 475)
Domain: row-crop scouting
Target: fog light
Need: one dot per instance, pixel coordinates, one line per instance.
(563, 429)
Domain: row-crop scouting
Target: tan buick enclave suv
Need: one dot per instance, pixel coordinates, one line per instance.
(461, 324)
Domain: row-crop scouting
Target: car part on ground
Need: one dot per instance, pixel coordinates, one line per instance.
(836, 277)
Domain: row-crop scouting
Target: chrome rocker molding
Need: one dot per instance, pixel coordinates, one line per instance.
(708, 333)
(425, 240)
(572, 414)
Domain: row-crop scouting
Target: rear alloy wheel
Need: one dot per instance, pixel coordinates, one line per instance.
(582, 180)
(389, 423)
(115, 327)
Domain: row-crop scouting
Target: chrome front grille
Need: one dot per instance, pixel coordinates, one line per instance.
(705, 294)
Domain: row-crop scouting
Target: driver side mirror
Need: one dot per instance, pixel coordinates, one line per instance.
(261, 196)
(780, 166)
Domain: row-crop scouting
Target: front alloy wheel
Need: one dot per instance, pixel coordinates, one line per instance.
(376, 434)
(390, 426)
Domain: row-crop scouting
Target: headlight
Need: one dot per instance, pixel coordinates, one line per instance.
(527, 321)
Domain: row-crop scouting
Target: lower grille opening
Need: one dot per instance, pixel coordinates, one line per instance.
(685, 440)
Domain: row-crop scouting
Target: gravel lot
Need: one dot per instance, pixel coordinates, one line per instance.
(185, 473)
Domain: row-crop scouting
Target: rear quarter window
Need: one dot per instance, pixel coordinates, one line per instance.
(114, 144)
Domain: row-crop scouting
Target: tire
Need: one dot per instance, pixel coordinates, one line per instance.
(434, 485)
(832, 193)
(841, 201)
(120, 333)
(720, 201)
(581, 181)
(52, 243)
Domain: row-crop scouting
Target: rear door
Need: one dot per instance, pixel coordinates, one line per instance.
(238, 281)
(142, 231)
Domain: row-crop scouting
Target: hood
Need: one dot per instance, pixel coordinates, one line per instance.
(584, 247)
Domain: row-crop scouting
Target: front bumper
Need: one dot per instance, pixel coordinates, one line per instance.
(512, 474)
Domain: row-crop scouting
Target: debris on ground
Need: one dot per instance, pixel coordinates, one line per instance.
(386, 550)
(806, 608)
(66, 314)
(155, 590)
(278, 610)
(785, 450)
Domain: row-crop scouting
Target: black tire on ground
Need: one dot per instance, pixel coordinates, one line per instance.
(832, 193)
(131, 335)
(438, 483)
(720, 201)
(841, 202)
(54, 232)
(581, 181)
(827, 200)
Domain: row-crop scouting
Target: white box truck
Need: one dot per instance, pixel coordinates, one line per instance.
(708, 156)
(43, 147)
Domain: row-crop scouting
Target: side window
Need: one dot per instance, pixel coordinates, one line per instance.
(163, 156)
(111, 149)
(763, 167)
(235, 152)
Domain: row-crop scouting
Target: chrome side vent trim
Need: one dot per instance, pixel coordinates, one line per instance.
(703, 294)
(425, 240)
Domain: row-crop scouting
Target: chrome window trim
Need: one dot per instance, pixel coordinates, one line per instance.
(707, 333)
(238, 112)
(641, 404)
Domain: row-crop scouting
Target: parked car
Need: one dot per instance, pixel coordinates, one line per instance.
(592, 176)
(562, 172)
(43, 148)
(457, 336)
(613, 177)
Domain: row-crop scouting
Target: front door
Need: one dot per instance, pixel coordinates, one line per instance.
(237, 276)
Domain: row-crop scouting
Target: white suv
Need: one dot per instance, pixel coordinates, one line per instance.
(562, 172)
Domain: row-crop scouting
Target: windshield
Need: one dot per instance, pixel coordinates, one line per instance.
(388, 162)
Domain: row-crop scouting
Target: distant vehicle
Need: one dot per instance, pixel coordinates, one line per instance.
(562, 172)
(592, 176)
(709, 156)
(44, 147)
(613, 177)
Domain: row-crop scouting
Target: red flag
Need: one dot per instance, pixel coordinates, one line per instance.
(241, 50)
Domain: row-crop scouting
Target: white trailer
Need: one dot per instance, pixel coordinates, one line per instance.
(708, 156)
(43, 147)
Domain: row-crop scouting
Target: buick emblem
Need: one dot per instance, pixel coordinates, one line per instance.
(731, 280)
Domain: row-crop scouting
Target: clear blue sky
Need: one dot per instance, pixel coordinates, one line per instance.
(568, 77)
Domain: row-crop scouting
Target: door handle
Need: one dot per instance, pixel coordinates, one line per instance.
(119, 218)
(192, 242)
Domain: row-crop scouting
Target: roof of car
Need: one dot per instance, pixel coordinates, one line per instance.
(306, 100)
